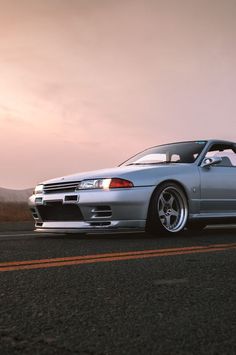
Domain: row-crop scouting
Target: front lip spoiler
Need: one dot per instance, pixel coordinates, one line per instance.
(90, 231)
(88, 227)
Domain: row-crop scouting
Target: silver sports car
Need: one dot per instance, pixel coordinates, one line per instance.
(163, 189)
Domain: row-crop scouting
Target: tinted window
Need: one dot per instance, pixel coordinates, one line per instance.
(225, 152)
(186, 152)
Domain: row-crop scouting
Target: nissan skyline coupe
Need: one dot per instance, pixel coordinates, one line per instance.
(162, 190)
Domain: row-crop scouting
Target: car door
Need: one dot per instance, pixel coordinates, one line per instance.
(218, 182)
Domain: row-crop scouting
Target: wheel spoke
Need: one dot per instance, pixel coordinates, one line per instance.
(162, 219)
(161, 213)
(174, 213)
(168, 222)
(171, 201)
(162, 200)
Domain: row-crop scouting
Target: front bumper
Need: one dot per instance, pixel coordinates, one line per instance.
(113, 210)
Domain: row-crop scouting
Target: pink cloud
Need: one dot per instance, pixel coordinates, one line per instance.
(93, 82)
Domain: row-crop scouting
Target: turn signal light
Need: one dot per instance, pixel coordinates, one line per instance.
(117, 183)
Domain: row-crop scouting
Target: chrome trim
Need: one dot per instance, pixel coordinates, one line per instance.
(60, 187)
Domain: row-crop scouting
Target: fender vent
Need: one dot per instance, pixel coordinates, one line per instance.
(101, 212)
(34, 213)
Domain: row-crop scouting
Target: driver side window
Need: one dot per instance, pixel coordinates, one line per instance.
(225, 152)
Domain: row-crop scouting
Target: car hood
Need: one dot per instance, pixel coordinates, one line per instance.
(140, 175)
(98, 174)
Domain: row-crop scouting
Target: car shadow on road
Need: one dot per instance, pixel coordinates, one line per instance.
(209, 231)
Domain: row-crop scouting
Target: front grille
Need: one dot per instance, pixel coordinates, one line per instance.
(56, 211)
(61, 187)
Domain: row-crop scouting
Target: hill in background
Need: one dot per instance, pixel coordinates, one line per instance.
(9, 195)
(14, 205)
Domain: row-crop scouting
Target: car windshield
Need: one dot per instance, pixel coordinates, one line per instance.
(186, 152)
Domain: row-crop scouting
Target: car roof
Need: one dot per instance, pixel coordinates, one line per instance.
(208, 141)
(221, 141)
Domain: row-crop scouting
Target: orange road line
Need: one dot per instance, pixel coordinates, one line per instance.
(119, 256)
(98, 256)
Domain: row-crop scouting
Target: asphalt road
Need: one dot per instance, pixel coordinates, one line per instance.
(118, 294)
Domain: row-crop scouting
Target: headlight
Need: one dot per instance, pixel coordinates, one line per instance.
(94, 184)
(38, 189)
(105, 184)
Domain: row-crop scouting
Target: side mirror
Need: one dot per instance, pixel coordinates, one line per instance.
(207, 162)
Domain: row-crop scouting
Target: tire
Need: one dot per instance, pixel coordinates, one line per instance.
(168, 210)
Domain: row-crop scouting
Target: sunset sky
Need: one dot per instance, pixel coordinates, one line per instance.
(84, 84)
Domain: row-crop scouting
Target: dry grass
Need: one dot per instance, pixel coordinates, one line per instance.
(14, 212)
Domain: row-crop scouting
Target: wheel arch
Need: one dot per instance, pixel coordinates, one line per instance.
(177, 182)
